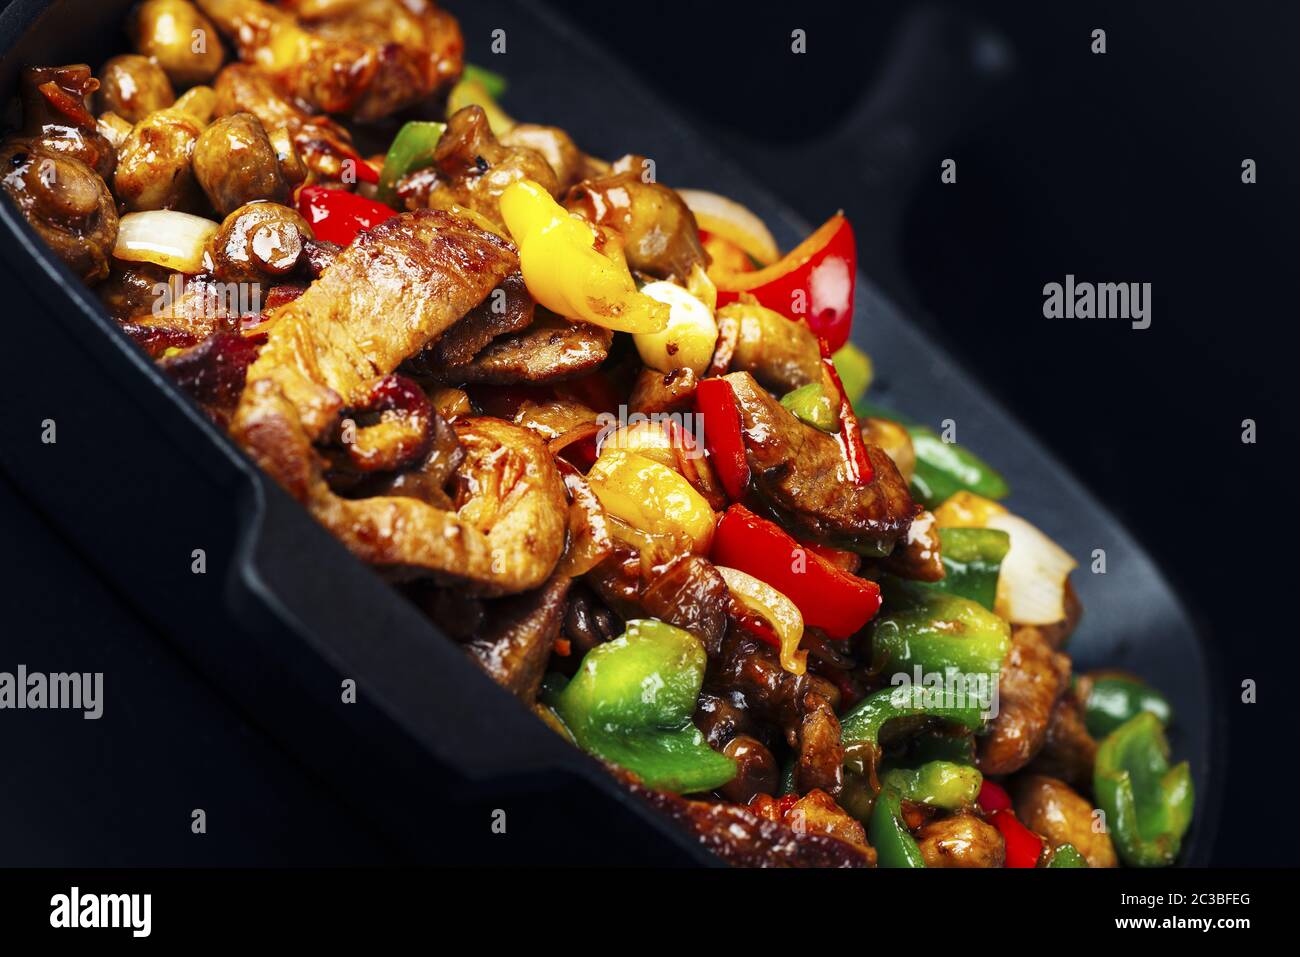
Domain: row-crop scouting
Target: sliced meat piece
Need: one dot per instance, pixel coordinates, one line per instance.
(497, 315)
(213, 372)
(742, 838)
(691, 594)
(820, 760)
(660, 235)
(799, 474)
(1033, 678)
(367, 59)
(550, 350)
(962, 840)
(918, 556)
(1069, 751)
(1050, 808)
(656, 392)
(475, 168)
(757, 771)
(814, 813)
(588, 622)
(516, 643)
(782, 355)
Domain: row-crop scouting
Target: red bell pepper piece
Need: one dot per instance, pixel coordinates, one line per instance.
(823, 268)
(337, 216)
(1024, 847)
(828, 598)
(717, 403)
(849, 435)
(993, 797)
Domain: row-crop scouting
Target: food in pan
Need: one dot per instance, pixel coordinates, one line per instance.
(603, 432)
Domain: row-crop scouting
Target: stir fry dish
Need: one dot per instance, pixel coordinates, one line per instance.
(603, 432)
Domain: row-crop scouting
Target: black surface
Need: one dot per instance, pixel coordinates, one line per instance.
(1131, 620)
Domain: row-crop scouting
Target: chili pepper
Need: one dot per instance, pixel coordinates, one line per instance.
(993, 797)
(972, 558)
(849, 435)
(810, 403)
(337, 216)
(412, 149)
(888, 834)
(494, 83)
(1114, 699)
(861, 725)
(936, 783)
(943, 468)
(715, 400)
(574, 268)
(854, 368)
(828, 598)
(938, 633)
(1066, 855)
(939, 744)
(1148, 805)
(1023, 846)
(814, 280)
(631, 702)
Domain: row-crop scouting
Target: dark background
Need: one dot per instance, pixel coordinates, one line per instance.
(1117, 167)
(1122, 167)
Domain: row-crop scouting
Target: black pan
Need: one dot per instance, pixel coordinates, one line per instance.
(139, 479)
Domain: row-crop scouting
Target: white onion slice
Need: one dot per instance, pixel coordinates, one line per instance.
(732, 222)
(1031, 584)
(777, 610)
(166, 238)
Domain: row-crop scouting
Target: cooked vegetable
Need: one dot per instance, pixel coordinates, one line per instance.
(776, 609)
(412, 149)
(564, 270)
(176, 241)
(811, 404)
(1114, 699)
(236, 164)
(651, 497)
(337, 216)
(814, 282)
(132, 87)
(733, 222)
(1031, 584)
(861, 725)
(1065, 856)
(828, 598)
(688, 338)
(1148, 804)
(154, 164)
(631, 703)
(854, 367)
(888, 834)
(717, 404)
(943, 468)
(180, 38)
(939, 784)
(972, 558)
(937, 632)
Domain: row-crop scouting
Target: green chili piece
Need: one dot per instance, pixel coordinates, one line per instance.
(631, 703)
(943, 468)
(972, 560)
(1114, 700)
(854, 369)
(809, 403)
(1148, 804)
(937, 783)
(888, 834)
(1066, 856)
(937, 632)
(412, 149)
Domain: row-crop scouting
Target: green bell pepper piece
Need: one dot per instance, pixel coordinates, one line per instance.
(1066, 856)
(942, 468)
(854, 369)
(894, 844)
(809, 403)
(412, 149)
(494, 83)
(937, 783)
(631, 703)
(861, 725)
(1112, 701)
(1148, 804)
(972, 560)
(939, 745)
(937, 632)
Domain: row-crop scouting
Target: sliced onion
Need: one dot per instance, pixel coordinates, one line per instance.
(1031, 584)
(780, 612)
(173, 240)
(733, 222)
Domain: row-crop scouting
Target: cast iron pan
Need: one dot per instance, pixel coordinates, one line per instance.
(139, 479)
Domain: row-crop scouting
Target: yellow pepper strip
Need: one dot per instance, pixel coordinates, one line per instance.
(776, 609)
(651, 497)
(565, 272)
(965, 509)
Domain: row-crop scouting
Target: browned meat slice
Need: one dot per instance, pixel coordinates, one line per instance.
(212, 373)
(196, 306)
(1033, 678)
(757, 771)
(820, 761)
(962, 840)
(918, 556)
(1069, 750)
(744, 839)
(384, 298)
(689, 593)
(366, 59)
(509, 311)
(588, 622)
(516, 643)
(782, 355)
(550, 350)
(1050, 808)
(475, 169)
(654, 391)
(659, 231)
(799, 473)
